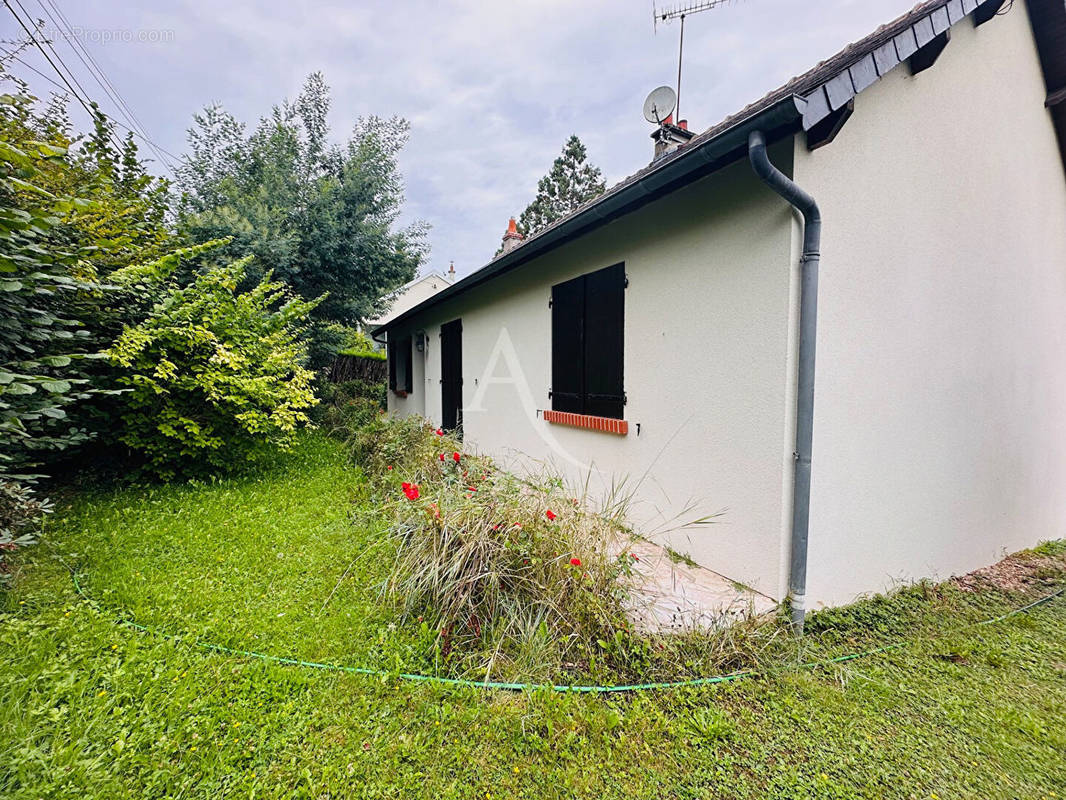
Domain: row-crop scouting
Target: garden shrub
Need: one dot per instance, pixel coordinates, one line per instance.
(45, 288)
(20, 516)
(511, 576)
(350, 406)
(346, 340)
(43, 343)
(216, 375)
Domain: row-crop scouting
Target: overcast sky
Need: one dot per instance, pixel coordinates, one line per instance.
(492, 87)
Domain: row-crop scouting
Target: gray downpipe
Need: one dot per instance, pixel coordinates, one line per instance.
(808, 325)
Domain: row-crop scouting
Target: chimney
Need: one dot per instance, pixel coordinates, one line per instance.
(451, 270)
(668, 136)
(512, 238)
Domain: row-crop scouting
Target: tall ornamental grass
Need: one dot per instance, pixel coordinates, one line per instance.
(510, 576)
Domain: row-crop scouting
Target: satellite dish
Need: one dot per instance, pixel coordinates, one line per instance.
(660, 105)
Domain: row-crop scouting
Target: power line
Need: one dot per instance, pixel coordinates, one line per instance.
(101, 78)
(59, 86)
(62, 74)
(69, 88)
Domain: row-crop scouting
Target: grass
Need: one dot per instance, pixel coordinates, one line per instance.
(272, 562)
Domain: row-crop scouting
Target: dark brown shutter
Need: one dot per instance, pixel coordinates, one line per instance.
(568, 351)
(408, 358)
(604, 342)
(392, 362)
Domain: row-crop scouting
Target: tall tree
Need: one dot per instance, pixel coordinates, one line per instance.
(571, 182)
(320, 217)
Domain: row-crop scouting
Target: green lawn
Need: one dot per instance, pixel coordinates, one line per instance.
(285, 562)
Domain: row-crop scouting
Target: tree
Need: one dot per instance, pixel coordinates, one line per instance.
(570, 183)
(319, 217)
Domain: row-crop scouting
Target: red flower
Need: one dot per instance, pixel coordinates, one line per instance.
(456, 457)
(411, 490)
(389, 467)
(405, 486)
(634, 556)
(442, 456)
(440, 432)
(575, 562)
(550, 514)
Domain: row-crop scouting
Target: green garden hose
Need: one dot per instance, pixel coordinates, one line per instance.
(461, 682)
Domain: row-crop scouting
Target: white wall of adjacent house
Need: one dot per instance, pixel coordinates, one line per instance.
(410, 295)
(708, 346)
(940, 407)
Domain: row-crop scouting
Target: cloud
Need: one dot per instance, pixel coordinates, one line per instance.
(492, 89)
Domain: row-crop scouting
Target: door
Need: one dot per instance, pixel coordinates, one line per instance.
(451, 375)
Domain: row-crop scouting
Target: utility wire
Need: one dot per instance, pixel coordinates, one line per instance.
(31, 68)
(63, 75)
(94, 69)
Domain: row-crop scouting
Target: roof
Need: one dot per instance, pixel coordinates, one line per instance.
(800, 104)
(382, 319)
(432, 276)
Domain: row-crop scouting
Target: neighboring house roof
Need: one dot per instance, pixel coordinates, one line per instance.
(801, 104)
(411, 294)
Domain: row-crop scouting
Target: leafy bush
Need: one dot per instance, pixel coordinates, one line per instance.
(20, 515)
(40, 340)
(215, 375)
(514, 577)
(350, 406)
(332, 339)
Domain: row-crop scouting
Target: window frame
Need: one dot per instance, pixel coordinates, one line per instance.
(593, 358)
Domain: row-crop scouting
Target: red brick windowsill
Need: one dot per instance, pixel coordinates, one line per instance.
(605, 424)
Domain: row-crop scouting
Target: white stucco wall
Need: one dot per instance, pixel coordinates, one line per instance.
(707, 355)
(940, 421)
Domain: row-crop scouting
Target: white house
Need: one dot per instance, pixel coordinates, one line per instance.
(666, 332)
(411, 294)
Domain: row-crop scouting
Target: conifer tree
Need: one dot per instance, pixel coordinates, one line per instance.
(571, 182)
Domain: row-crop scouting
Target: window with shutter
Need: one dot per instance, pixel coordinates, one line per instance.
(400, 372)
(588, 316)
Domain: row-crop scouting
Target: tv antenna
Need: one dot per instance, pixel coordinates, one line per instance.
(681, 11)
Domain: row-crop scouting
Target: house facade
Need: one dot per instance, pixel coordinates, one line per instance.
(651, 344)
(410, 295)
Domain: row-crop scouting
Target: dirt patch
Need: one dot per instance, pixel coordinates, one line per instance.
(1016, 573)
